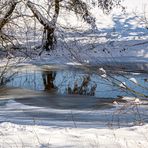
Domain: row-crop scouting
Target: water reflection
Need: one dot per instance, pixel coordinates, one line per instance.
(76, 82)
(4, 78)
(48, 80)
(83, 88)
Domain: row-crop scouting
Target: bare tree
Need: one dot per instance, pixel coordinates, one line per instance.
(7, 14)
(49, 26)
(78, 6)
(9, 7)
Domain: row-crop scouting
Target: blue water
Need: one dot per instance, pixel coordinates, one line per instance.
(33, 79)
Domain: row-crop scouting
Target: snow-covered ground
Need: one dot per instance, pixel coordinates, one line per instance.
(25, 136)
(122, 37)
(32, 126)
(28, 120)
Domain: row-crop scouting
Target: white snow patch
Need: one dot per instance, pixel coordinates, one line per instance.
(122, 85)
(133, 80)
(73, 63)
(42, 136)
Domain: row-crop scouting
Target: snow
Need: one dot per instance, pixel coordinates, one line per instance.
(31, 126)
(73, 63)
(133, 80)
(39, 136)
(102, 70)
(116, 38)
(123, 85)
(137, 101)
(18, 133)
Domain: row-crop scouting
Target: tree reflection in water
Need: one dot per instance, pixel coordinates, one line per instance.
(48, 80)
(83, 88)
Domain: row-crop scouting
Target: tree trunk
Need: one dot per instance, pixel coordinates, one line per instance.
(49, 26)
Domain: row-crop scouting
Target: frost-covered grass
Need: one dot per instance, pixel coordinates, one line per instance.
(24, 136)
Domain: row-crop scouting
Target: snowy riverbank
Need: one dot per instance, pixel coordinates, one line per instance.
(24, 136)
(26, 126)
